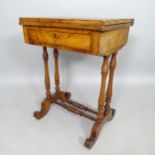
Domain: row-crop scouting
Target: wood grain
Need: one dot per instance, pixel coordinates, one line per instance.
(87, 42)
(78, 41)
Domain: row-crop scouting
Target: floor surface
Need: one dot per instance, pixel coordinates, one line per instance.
(131, 132)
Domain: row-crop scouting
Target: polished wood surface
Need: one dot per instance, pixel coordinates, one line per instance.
(95, 37)
(64, 38)
(83, 24)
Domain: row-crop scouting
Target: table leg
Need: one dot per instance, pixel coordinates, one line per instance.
(104, 112)
(58, 93)
(110, 83)
(101, 118)
(47, 101)
(56, 66)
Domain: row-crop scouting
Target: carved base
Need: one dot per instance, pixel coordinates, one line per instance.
(63, 99)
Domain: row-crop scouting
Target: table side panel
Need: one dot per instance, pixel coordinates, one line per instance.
(112, 41)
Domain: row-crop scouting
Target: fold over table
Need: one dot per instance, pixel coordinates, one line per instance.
(96, 37)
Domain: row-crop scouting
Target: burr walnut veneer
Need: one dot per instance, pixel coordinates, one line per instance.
(96, 37)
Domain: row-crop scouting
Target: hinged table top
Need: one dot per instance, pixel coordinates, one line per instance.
(86, 24)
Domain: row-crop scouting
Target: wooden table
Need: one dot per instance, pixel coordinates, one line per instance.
(96, 37)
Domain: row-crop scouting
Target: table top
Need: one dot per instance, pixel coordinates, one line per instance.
(86, 24)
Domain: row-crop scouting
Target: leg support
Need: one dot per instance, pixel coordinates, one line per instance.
(104, 112)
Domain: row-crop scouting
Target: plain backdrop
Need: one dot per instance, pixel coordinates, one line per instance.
(22, 87)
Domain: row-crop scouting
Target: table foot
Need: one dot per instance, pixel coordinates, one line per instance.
(89, 142)
(67, 95)
(45, 105)
(113, 112)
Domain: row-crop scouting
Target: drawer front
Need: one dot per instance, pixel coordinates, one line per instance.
(50, 37)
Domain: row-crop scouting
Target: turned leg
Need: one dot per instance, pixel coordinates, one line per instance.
(56, 66)
(101, 99)
(47, 102)
(59, 94)
(110, 83)
(47, 76)
(100, 115)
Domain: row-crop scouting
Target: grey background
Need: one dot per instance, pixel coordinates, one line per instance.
(20, 62)
(22, 87)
